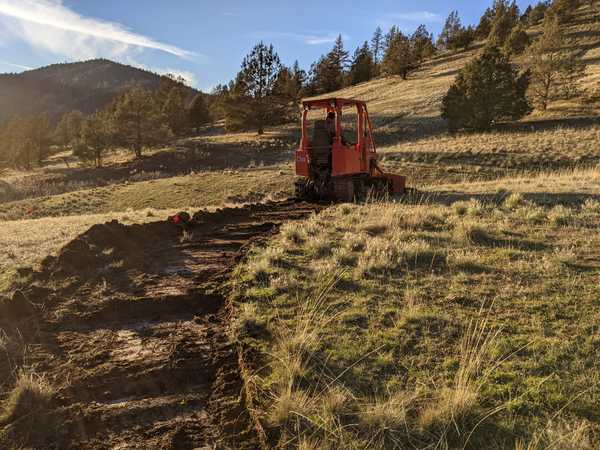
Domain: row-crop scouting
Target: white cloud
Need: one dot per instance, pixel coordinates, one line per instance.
(417, 16)
(307, 38)
(16, 66)
(50, 26)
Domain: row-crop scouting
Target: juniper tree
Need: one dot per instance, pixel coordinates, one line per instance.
(486, 90)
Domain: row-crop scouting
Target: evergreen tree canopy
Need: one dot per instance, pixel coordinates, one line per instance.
(377, 45)
(452, 27)
(400, 57)
(422, 43)
(198, 114)
(488, 89)
(363, 66)
(257, 98)
(138, 121)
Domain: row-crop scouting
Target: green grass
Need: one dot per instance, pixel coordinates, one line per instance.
(428, 326)
(199, 190)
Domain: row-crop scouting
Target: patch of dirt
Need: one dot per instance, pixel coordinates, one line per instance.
(129, 325)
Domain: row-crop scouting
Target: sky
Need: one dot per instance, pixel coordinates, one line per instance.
(203, 40)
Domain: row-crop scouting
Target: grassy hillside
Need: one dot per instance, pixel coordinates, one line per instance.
(410, 133)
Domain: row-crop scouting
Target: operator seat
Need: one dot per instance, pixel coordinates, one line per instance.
(320, 151)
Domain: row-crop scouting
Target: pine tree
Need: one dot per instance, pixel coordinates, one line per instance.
(96, 137)
(422, 43)
(253, 102)
(68, 129)
(389, 38)
(363, 66)
(485, 24)
(40, 132)
(174, 110)
(198, 113)
(377, 45)
(538, 13)
(451, 28)
(563, 9)
(463, 39)
(506, 17)
(488, 89)
(338, 55)
(138, 120)
(328, 74)
(299, 77)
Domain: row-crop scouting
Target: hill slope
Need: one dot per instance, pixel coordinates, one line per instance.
(83, 86)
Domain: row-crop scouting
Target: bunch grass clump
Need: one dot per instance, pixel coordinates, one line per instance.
(31, 394)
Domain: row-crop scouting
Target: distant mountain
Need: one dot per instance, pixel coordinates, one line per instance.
(83, 86)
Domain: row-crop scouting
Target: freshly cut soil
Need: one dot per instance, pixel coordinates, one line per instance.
(129, 325)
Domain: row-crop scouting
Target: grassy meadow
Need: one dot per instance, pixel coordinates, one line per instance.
(430, 323)
(37, 227)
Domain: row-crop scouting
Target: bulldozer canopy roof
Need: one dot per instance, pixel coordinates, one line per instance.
(331, 103)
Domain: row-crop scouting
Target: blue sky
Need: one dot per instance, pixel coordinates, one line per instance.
(202, 40)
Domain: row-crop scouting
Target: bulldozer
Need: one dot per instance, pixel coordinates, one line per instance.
(335, 164)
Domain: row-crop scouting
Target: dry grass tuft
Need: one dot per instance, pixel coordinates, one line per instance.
(31, 394)
(514, 200)
(385, 415)
(560, 216)
(468, 232)
(472, 208)
(561, 435)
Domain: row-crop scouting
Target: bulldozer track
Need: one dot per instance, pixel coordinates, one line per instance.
(131, 329)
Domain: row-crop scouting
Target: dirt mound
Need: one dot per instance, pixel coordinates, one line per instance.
(131, 332)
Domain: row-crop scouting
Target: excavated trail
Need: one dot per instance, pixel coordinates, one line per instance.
(131, 331)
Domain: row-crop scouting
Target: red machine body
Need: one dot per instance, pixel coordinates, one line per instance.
(353, 164)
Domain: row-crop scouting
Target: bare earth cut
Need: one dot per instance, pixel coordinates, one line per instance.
(130, 330)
